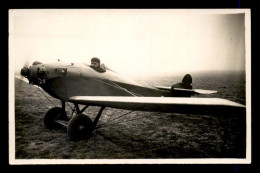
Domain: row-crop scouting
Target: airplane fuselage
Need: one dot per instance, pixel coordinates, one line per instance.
(79, 79)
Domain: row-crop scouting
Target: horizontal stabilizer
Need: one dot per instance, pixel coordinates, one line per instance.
(192, 91)
(163, 88)
(196, 91)
(164, 104)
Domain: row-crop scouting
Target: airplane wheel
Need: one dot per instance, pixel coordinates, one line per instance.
(80, 127)
(53, 114)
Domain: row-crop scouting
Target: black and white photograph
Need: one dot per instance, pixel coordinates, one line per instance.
(129, 86)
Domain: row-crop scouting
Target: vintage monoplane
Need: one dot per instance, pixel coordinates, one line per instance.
(80, 84)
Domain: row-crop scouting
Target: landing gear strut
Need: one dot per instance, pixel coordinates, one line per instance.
(53, 115)
(79, 127)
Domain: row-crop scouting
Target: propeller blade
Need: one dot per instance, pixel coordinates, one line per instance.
(26, 64)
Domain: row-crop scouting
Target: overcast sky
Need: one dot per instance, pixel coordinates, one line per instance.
(130, 41)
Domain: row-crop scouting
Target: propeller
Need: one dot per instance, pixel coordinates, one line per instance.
(25, 71)
(26, 64)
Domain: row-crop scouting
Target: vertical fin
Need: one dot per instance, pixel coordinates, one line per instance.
(187, 81)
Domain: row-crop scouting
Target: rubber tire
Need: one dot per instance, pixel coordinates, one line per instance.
(80, 127)
(52, 115)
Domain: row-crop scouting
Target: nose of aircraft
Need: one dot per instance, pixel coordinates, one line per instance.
(25, 71)
(34, 75)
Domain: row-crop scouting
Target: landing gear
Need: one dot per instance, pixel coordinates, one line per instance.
(52, 116)
(79, 127)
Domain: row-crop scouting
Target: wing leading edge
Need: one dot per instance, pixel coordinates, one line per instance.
(164, 104)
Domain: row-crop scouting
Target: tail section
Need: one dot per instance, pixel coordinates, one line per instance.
(184, 88)
(185, 84)
(187, 81)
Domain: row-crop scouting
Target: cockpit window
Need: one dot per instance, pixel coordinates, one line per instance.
(36, 63)
(103, 66)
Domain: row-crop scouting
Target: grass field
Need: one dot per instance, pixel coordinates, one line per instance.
(136, 135)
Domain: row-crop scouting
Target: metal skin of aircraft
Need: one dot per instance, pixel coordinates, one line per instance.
(79, 83)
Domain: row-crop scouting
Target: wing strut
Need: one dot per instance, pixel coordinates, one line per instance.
(83, 109)
(98, 116)
(78, 110)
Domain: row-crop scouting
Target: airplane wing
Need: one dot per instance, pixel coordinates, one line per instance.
(192, 91)
(164, 104)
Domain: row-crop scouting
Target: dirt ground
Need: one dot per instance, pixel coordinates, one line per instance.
(135, 135)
